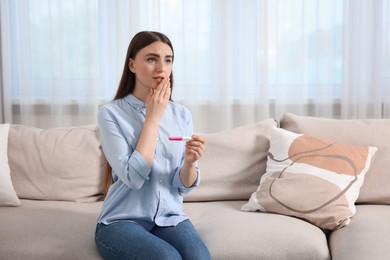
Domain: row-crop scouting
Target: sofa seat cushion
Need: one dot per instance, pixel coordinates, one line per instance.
(231, 233)
(367, 237)
(65, 230)
(49, 230)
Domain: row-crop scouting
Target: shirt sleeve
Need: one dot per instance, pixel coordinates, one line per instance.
(129, 165)
(178, 183)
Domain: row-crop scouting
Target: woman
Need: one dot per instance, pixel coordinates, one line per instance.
(142, 216)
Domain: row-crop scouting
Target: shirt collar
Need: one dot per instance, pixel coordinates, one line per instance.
(135, 103)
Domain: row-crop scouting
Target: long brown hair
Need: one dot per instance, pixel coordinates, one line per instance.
(127, 82)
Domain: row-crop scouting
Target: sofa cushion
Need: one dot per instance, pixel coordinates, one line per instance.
(233, 162)
(57, 163)
(233, 234)
(39, 230)
(367, 237)
(65, 230)
(311, 178)
(364, 132)
(8, 195)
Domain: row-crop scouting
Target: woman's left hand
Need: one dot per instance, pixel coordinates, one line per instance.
(194, 149)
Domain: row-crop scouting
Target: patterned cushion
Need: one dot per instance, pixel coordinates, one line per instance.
(311, 178)
(363, 132)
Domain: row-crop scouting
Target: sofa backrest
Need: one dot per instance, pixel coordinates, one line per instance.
(233, 162)
(68, 163)
(56, 164)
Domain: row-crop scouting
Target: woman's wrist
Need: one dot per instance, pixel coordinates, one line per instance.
(189, 174)
(151, 121)
(189, 165)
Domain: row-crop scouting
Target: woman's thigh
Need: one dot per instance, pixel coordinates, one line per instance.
(185, 239)
(129, 240)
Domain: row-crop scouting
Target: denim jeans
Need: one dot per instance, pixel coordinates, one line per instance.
(129, 240)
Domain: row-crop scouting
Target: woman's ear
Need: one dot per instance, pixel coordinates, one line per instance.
(131, 65)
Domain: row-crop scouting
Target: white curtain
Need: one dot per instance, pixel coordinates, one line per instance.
(236, 62)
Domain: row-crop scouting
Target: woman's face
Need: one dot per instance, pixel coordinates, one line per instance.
(151, 65)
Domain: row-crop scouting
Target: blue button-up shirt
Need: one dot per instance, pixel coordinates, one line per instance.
(140, 193)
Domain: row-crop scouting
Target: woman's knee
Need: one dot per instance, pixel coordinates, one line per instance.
(196, 252)
(185, 239)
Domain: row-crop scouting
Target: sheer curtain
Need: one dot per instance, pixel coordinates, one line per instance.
(236, 62)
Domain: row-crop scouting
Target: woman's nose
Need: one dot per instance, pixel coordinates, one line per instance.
(160, 65)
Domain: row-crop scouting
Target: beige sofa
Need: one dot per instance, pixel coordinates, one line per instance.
(57, 176)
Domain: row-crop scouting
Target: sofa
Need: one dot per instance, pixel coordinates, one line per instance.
(55, 183)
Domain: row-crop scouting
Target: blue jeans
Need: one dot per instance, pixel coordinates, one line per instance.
(129, 240)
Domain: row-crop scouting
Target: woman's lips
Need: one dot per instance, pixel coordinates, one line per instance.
(159, 79)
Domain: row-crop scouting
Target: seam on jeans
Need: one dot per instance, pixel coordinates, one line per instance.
(112, 249)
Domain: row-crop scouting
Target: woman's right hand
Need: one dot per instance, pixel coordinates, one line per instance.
(158, 100)
(156, 104)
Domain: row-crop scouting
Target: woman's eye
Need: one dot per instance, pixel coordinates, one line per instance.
(151, 60)
(168, 61)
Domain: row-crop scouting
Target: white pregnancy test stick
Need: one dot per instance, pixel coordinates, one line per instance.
(180, 138)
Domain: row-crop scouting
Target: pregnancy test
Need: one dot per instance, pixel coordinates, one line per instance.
(180, 138)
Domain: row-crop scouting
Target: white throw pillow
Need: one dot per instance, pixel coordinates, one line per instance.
(8, 195)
